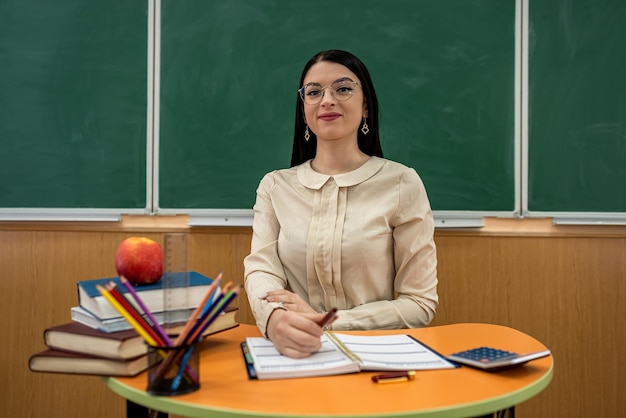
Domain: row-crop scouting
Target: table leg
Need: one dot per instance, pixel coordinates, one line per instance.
(505, 413)
(137, 411)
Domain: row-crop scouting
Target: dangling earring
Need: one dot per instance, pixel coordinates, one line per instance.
(307, 135)
(365, 129)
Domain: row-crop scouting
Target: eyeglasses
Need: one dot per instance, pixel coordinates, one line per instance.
(342, 90)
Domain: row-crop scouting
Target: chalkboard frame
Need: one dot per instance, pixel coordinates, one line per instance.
(444, 218)
(243, 217)
(51, 72)
(567, 14)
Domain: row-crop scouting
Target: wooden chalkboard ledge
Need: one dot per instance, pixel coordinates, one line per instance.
(504, 227)
(541, 227)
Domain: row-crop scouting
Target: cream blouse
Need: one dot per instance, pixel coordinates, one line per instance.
(360, 241)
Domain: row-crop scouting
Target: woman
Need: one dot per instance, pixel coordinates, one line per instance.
(343, 227)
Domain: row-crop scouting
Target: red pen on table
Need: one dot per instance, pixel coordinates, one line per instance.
(392, 377)
(328, 318)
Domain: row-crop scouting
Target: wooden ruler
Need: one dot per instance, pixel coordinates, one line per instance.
(175, 276)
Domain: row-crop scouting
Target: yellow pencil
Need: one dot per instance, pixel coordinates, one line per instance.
(126, 315)
(141, 331)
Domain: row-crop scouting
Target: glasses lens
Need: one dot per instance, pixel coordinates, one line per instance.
(312, 93)
(342, 90)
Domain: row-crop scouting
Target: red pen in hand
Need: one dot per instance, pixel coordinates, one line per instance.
(328, 318)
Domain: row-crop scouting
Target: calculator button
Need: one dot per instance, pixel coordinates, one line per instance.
(486, 354)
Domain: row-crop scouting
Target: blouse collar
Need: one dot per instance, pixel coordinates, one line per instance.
(314, 180)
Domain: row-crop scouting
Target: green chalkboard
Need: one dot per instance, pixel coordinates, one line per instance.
(73, 104)
(444, 72)
(577, 106)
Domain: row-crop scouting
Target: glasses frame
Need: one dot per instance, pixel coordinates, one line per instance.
(332, 92)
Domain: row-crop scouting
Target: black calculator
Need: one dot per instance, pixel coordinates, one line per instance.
(492, 359)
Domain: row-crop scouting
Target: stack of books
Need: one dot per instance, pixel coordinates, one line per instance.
(99, 341)
(95, 311)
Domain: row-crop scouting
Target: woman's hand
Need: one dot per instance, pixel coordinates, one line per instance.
(290, 300)
(295, 334)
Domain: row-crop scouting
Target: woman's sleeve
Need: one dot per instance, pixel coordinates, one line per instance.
(263, 270)
(415, 254)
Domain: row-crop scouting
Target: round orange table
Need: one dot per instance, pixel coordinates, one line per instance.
(462, 392)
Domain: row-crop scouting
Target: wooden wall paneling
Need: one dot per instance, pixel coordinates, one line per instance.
(38, 288)
(40, 270)
(223, 249)
(565, 290)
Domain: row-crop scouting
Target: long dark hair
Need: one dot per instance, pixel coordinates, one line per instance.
(370, 144)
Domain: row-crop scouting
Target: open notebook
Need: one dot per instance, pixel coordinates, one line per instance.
(342, 354)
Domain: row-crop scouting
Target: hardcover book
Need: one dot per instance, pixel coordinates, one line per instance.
(80, 338)
(83, 316)
(342, 354)
(58, 361)
(152, 295)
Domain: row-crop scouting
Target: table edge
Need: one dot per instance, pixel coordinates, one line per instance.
(192, 410)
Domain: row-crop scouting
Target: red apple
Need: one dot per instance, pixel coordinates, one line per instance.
(140, 260)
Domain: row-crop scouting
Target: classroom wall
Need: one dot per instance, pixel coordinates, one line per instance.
(564, 286)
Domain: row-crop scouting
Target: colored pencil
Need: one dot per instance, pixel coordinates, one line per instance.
(213, 304)
(192, 338)
(130, 308)
(155, 324)
(174, 356)
(107, 295)
(199, 309)
(221, 304)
